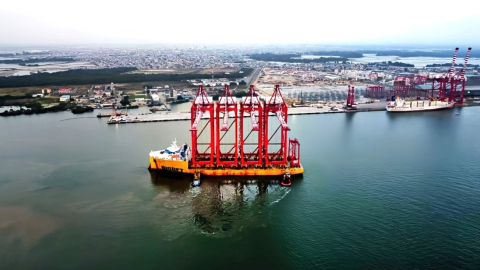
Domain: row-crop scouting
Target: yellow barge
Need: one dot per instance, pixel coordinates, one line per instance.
(181, 166)
(212, 160)
(175, 160)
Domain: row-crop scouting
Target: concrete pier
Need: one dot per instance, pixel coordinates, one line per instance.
(185, 116)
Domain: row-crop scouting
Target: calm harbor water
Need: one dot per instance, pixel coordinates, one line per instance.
(380, 191)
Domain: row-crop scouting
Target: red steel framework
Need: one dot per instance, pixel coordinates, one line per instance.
(375, 91)
(294, 153)
(202, 104)
(277, 106)
(405, 87)
(373, 76)
(438, 89)
(253, 117)
(225, 106)
(251, 106)
(421, 93)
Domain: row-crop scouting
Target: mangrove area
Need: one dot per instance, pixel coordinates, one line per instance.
(35, 107)
(106, 76)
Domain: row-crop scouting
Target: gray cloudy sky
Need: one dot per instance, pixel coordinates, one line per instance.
(26, 22)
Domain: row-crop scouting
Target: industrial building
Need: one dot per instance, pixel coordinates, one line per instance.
(64, 98)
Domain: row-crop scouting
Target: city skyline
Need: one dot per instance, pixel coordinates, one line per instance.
(212, 22)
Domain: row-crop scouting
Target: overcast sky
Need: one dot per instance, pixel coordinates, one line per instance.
(25, 22)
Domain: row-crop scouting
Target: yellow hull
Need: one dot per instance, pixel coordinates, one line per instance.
(181, 166)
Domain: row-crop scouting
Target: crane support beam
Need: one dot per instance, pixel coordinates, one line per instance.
(225, 122)
(275, 146)
(225, 135)
(254, 121)
(198, 117)
(202, 153)
(465, 64)
(452, 67)
(281, 118)
(251, 147)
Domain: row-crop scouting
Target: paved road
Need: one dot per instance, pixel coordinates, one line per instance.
(253, 76)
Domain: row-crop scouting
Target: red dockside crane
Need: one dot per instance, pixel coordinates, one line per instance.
(405, 87)
(375, 91)
(275, 152)
(251, 147)
(439, 84)
(226, 134)
(202, 144)
(451, 85)
(448, 78)
(220, 142)
(351, 99)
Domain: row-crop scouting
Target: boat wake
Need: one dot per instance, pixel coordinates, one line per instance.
(218, 208)
(76, 118)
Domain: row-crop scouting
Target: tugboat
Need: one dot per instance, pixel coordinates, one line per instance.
(196, 180)
(287, 179)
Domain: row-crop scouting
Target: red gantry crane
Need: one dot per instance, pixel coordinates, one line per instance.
(226, 135)
(251, 147)
(439, 84)
(203, 150)
(351, 99)
(451, 85)
(222, 146)
(275, 153)
(447, 78)
(375, 91)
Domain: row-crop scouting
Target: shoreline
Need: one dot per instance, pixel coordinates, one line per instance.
(185, 116)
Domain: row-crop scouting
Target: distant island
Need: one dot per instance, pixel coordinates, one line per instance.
(36, 107)
(409, 53)
(449, 64)
(393, 64)
(36, 60)
(294, 58)
(24, 53)
(344, 56)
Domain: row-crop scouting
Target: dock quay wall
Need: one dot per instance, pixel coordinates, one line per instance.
(185, 116)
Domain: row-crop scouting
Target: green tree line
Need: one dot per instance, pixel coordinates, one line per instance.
(106, 76)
